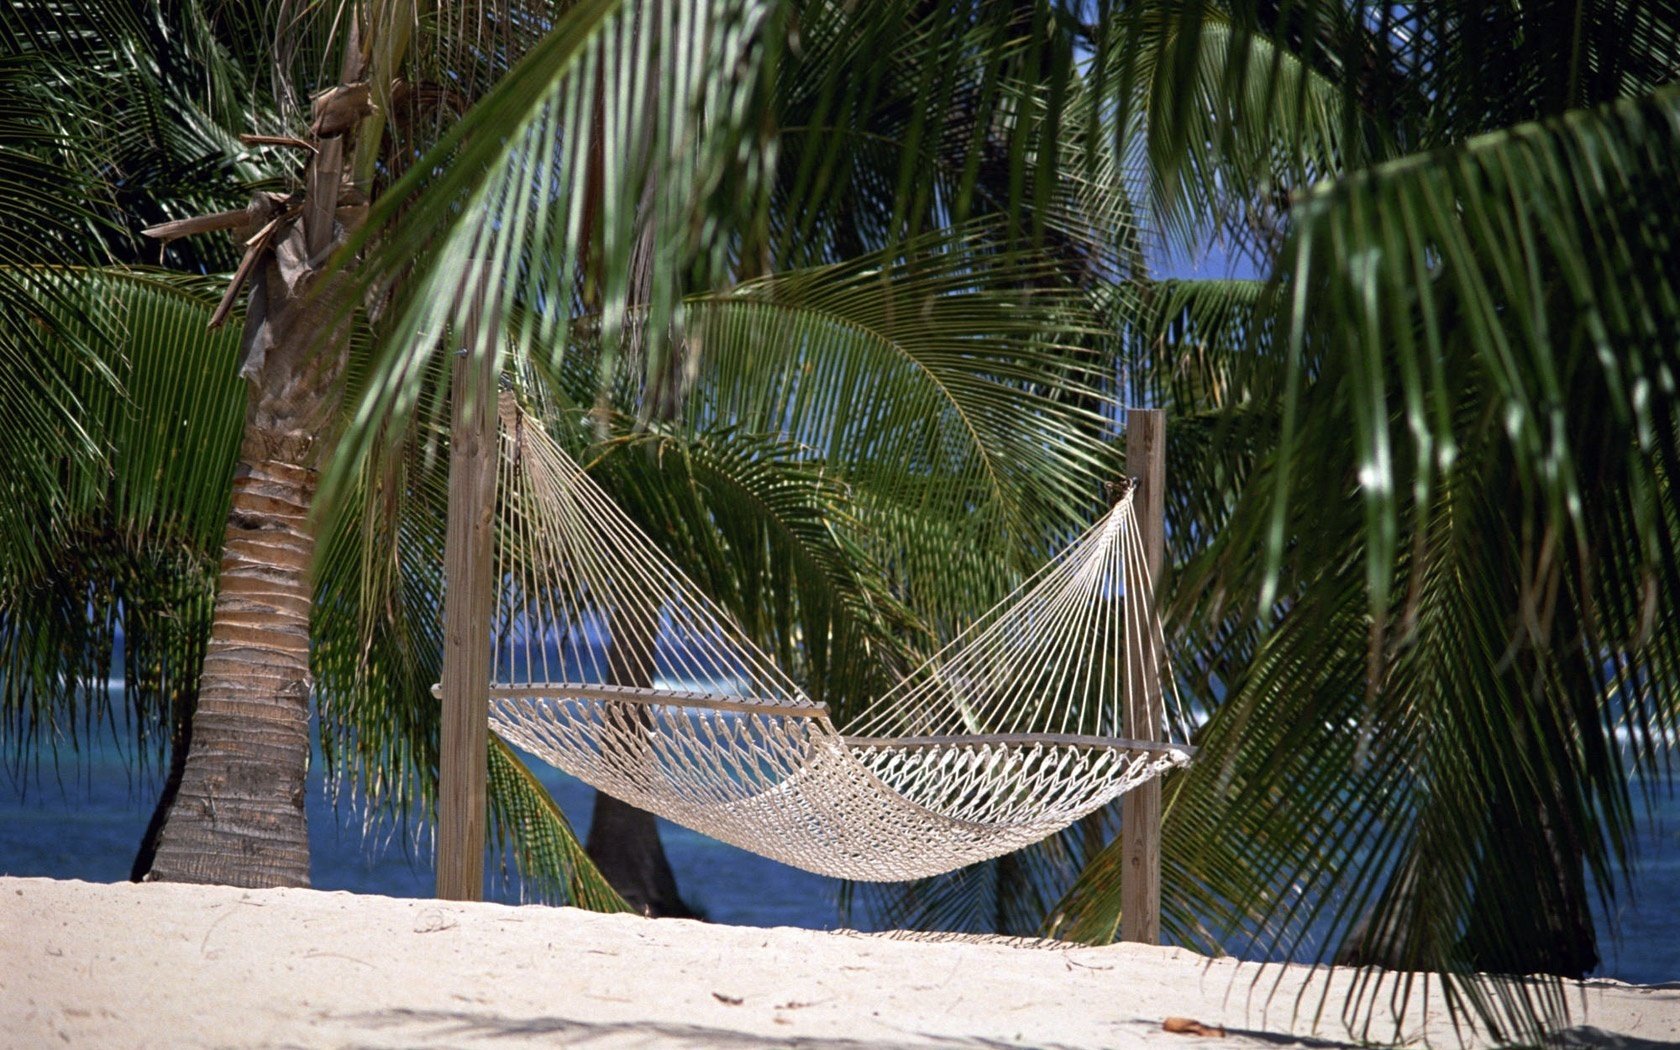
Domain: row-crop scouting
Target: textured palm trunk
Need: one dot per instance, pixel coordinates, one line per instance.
(237, 814)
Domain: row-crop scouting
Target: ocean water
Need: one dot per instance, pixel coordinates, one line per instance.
(84, 819)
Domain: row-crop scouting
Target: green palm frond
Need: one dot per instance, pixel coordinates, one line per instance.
(118, 531)
(946, 383)
(946, 386)
(132, 529)
(50, 202)
(955, 114)
(143, 104)
(1526, 262)
(1222, 121)
(1462, 553)
(1190, 346)
(526, 823)
(1243, 104)
(897, 119)
(1556, 55)
(582, 181)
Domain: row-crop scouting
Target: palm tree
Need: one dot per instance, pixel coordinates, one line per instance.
(138, 505)
(1428, 527)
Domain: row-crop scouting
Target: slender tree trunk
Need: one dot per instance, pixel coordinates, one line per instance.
(624, 844)
(237, 816)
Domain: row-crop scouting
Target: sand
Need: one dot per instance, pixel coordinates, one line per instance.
(90, 965)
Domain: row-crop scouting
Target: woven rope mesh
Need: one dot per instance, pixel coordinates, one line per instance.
(610, 664)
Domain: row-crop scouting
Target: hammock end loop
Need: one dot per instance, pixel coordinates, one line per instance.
(1117, 490)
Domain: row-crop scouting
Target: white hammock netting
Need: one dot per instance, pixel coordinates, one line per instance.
(610, 664)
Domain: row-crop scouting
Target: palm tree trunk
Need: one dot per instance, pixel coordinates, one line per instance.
(624, 844)
(237, 816)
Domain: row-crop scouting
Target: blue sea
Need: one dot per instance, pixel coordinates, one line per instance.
(84, 818)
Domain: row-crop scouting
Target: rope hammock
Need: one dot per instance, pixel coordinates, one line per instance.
(609, 663)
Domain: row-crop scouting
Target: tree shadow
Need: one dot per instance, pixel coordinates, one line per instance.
(459, 1024)
(567, 1031)
(1311, 1042)
(1587, 1037)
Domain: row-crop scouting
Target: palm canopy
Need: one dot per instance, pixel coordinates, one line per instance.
(1429, 565)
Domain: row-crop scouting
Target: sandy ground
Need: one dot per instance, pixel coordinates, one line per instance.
(86, 965)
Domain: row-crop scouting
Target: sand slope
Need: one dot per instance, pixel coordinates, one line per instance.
(159, 965)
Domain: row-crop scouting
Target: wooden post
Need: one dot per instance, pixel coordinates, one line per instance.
(1140, 808)
(463, 794)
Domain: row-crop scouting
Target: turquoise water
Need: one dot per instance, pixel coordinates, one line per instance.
(84, 820)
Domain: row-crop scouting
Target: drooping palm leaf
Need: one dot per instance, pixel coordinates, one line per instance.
(123, 534)
(130, 546)
(897, 119)
(947, 382)
(1220, 121)
(1468, 600)
(590, 157)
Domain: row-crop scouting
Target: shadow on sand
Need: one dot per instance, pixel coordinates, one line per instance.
(1586, 1037)
(431, 1025)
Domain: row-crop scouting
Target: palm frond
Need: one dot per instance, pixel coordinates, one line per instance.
(581, 183)
(1461, 555)
(769, 533)
(142, 105)
(117, 531)
(897, 119)
(526, 823)
(1223, 119)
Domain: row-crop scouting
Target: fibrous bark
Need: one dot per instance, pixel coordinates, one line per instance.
(237, 813)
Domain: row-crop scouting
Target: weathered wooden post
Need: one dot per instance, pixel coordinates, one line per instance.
(463, 794)
(1140, 808)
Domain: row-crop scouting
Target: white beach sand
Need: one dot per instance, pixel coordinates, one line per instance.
(88, 965)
